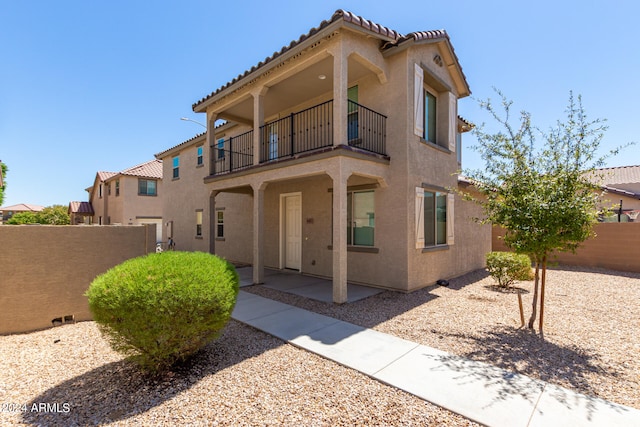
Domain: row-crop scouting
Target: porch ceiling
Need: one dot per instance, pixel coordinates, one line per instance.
(291, 92)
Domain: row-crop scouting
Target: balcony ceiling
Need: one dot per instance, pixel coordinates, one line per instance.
(294, 91)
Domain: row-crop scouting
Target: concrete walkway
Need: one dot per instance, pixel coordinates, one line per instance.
(476, 390)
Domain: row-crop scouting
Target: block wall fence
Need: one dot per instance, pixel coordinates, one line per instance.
(616, 247)
(46, 269)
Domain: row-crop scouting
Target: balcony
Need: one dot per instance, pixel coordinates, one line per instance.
(301, 132)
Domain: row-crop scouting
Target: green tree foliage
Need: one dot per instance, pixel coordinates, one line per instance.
(4, 182)
(54, 215)
(539, 195)
(23, 218)
(162, 308)
(51, 215)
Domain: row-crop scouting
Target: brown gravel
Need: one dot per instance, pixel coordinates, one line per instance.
(591, 330)
(246, 378)
(591, 344)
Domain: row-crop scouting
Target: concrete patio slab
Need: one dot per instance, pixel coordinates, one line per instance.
(356, 347)
(559, 406)
(479, 391)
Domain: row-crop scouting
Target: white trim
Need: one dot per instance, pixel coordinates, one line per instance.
(281, 225)
(451, 197)
(418, 101)
(419, 217)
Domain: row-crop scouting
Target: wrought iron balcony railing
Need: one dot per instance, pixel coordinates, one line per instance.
(301, 132)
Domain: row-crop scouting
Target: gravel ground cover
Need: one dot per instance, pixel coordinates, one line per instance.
(591, 335)
(590, 345)
(246, 378)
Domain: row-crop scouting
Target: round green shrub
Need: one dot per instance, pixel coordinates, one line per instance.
(507, 267)
(161, 308)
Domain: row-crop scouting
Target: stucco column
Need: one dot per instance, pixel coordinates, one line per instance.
(258, 120)
(340, 86)
(340, 177)
(211, 141)
(258, 232)
(212, 222)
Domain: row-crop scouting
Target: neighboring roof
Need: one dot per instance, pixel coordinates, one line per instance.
(390, 38)
(22, 207)
(624, 179)
(81, 208)
(181, 145)
(150, 169)
(464, 124)
(196, 139)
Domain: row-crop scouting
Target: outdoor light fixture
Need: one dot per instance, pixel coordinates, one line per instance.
(322, 77)
(191, 120)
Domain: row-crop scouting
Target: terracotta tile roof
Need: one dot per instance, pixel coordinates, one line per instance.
(103, 176)
(22, 207)
(390, 37)
(182, 144)
(623, 179)
(150, 169)
(465, 124)
(81, 208)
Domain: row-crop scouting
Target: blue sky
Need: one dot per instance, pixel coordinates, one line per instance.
(101, 85)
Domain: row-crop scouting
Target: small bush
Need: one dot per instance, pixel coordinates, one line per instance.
(507, 267)
(161, 308)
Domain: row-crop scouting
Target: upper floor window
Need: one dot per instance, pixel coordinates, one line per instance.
(147, 187)
(176, 167)
(117, 187)
(429, 119)
(200, 158)
(220, 224)
(100, 191)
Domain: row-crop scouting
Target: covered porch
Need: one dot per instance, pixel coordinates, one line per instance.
(299, 217)
(312, 287)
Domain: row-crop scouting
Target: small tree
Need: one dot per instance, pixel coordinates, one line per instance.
(54, 215)
(542, 197)
(23, 218)
(3, 181)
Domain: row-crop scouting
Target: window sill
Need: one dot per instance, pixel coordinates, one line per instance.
(175, 179)
(436, 146)
(362, 249)
(220, 239)
(200, 166)
(198, 237)
(435, 248)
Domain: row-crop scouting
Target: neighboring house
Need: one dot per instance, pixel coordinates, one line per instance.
(132, 196)
(80, 213)
(337, 159)
(622, 191)
(6, 212)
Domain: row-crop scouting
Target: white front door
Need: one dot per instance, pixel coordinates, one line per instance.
(293, 231)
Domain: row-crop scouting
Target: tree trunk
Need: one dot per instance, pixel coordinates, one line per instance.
(534, 305)
(542, 283)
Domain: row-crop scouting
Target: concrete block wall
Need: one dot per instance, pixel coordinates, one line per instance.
(615, 247)
(45, 270)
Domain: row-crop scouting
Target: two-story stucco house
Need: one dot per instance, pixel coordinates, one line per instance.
(337, 158)
(130, 197)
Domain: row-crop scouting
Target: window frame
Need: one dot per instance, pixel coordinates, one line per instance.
(220, 224)
(176, 167)
(351, 230)
(446, 229)
(199, 156)
(146, 181)
(199, 217)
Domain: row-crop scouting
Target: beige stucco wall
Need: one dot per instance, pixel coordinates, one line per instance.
(45, 270)
(185, 195)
